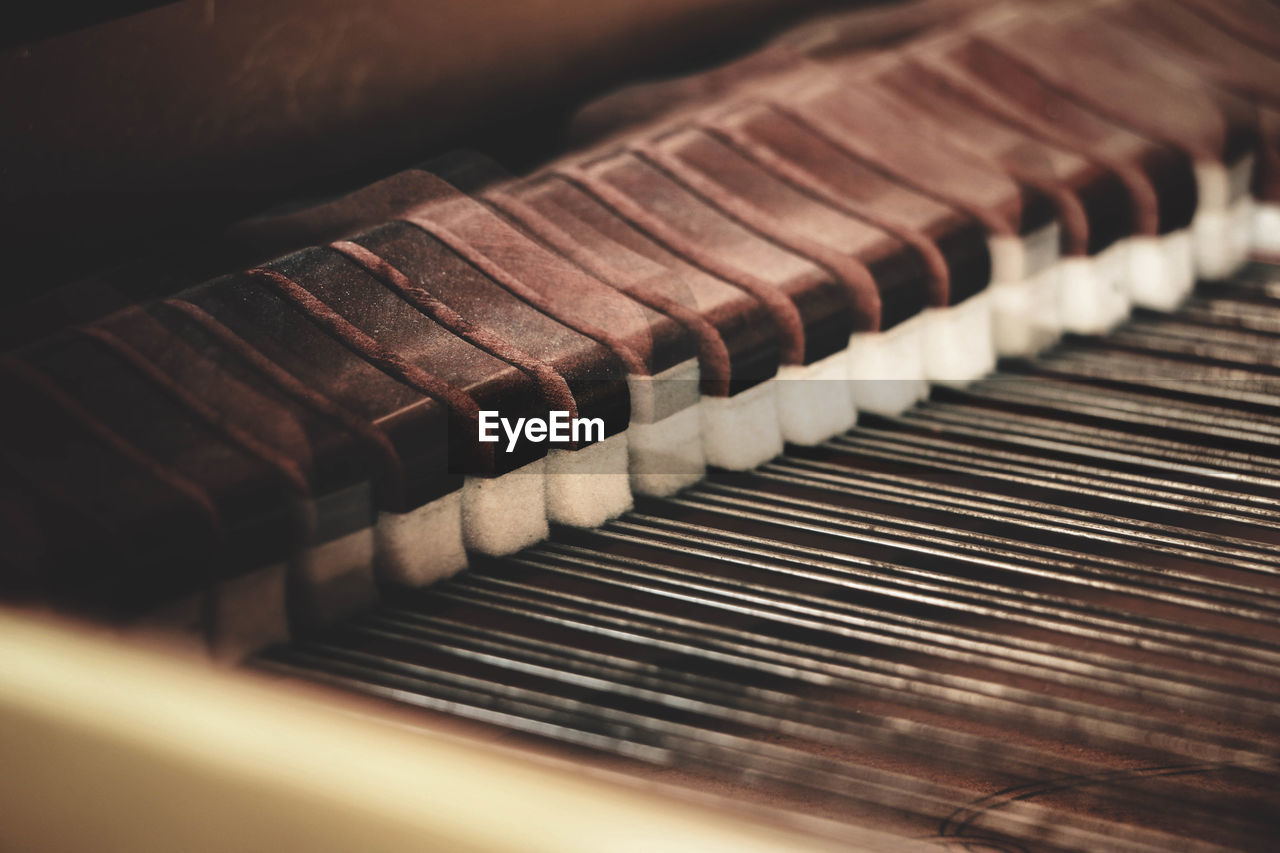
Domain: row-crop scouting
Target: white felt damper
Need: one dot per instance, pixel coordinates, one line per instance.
(668, 455)
(665, 433)
(815, 401)
(1223, 226)
(742, 431)
(1266, 228)
(958, 341)
(1020, 258)
(1026, 303)
(886, 369)
(248, 613)
(589, 486)
(334, 579)
(655, 398)
(1223, 239)
(1026, 315)
(421, 546)
(1093, 290)
(501, 515)
(1161, 270)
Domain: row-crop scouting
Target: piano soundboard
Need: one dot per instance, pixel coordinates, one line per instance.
(873, 443)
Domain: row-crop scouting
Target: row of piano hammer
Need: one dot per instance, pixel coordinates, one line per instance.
(749, 258)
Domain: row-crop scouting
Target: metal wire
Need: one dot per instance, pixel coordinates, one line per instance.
(1038, 613)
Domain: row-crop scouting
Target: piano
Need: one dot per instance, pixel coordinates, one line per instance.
(867, 442)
